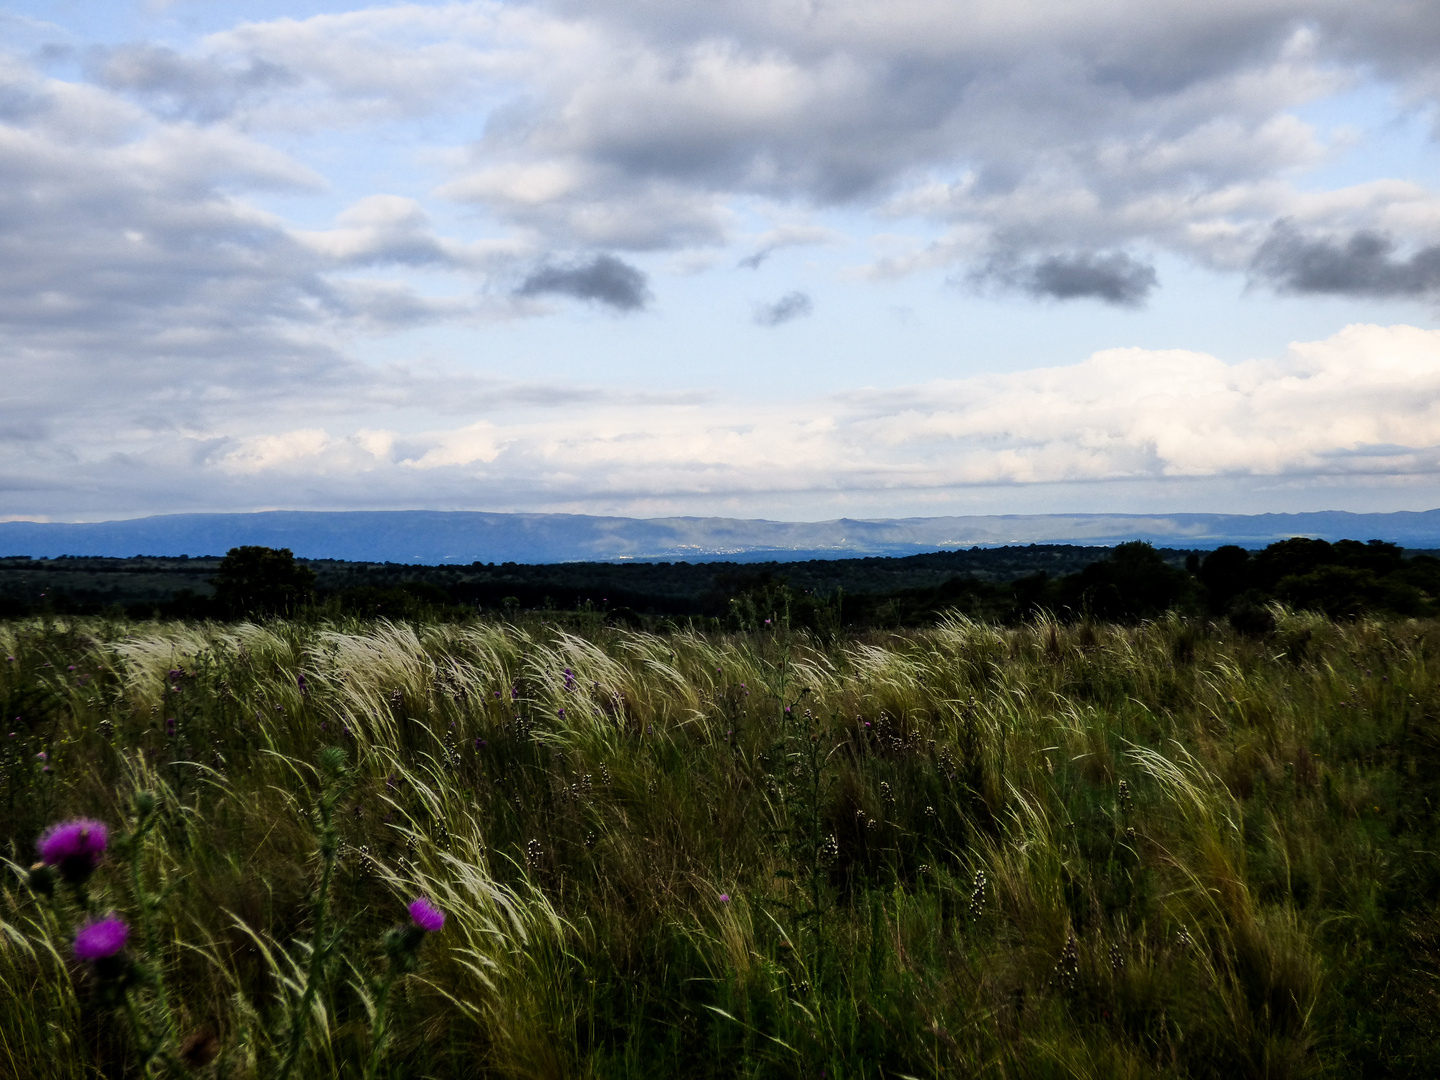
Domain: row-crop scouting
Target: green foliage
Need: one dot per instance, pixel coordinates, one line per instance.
(1344, 580)
(259, 581)
(1043, 850)
(1134, 582)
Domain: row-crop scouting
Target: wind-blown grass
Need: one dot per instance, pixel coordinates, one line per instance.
(1046, 850)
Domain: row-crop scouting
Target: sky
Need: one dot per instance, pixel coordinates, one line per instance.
(793, 259)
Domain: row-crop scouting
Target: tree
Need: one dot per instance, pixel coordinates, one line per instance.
(1135, 582)
(1225, 573)
(256, 580)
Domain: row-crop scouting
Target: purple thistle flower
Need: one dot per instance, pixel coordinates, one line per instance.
(300, 682)
(101, 939)
(74, 847)
(724, 898)
(426, 915)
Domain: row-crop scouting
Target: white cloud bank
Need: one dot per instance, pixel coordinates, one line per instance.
(1361, 406)
(1364, 401)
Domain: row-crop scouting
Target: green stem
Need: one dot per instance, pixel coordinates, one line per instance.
(381, 1032)
(137, 1029)
(146, 905)
(300, 1018)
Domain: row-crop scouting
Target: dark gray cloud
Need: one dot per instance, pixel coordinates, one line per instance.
(1363, 265)
(752, 262)
(1113, 277)
(794, 305)
(603, 280)
(181, 87)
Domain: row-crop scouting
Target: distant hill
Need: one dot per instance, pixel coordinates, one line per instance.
(436, 537)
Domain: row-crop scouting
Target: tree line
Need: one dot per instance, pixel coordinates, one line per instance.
(1131, 582)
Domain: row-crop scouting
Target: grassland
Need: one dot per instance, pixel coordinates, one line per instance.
(1043, 850)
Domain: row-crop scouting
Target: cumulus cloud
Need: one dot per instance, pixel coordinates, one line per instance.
(602, 280)
(638, 125)
(1171, 128)
(791, 306)
(1365, 264)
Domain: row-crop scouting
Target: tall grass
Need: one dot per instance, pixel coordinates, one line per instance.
(1041, 851)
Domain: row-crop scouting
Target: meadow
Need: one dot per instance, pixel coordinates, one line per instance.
(1042, 850)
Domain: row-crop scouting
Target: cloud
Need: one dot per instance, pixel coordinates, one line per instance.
(381, 229)
(1047, 132)
(1114, 278)
(603, 280)
(1363, 265)
(198, 236)
(590, 204)
(144, 296)
(793, 305)
(785, 236)
(176, 86)
(631, 125)
(1361, 407)
(140, 264)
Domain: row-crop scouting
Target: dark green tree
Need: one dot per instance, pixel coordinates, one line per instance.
(1225, 573)
(1135, 582)
(256, 580)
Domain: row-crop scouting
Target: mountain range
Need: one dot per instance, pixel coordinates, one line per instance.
(435, 537)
